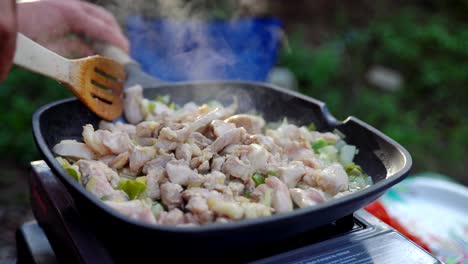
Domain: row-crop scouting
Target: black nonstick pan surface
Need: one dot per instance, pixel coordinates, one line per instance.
(383, 159)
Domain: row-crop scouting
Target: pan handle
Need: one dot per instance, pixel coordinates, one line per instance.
(135, 75)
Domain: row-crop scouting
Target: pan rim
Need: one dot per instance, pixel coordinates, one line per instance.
(376, 188)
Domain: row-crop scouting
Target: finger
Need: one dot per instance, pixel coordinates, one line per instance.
(102, 13)
(70, 47)
(84, 23)
(7, 49)
(7, 35)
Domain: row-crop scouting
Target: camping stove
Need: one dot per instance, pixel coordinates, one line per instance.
(59, 235)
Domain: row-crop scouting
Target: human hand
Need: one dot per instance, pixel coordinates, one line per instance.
(7, 35)
(60, 25)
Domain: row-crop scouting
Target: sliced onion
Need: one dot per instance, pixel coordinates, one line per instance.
(347, 153)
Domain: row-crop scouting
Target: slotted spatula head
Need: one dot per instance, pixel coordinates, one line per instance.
(98, 82)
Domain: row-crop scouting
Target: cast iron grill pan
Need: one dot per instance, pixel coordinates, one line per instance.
(382, 158)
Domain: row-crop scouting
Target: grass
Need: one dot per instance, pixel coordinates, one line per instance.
(20, 95)
(427, 115)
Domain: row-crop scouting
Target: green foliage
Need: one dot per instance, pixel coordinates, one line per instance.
(428, 115)
(20, 95)
(312, 67)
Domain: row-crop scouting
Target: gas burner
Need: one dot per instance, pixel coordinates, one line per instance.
(60, 235)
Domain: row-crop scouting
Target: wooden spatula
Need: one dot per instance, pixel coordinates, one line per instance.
(96, 81)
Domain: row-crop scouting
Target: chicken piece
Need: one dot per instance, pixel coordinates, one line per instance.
(184, 152)
(157, 163)
(252, 124)
(232, 136)
(217, 163)
(280, 199)
(205, 156)
(73, 149)
(135, 209)
(167, 134)
(255, 210)
(310, 176)
(165, 146)
(148, 129)
(307, 156)
(204, 167)
(265, 141)
(291, 173)
(195, 150)
(119, 161)
(100, 180)
(132, 98)
(117, 127)
(217, 113)
(240, 199)
(107, 159)
(249, 185)
(234, 167)
(173, 217)
(211, 180)
(237, 150)
(122, 127)
(101, 188)
(90, 168)
(179, 172)
(145, 141)
(289, 132)
(105, 142)
(332, 179)
(186, 114)
(205, 217)
(308, 197)
(116, 142)
(258, 158)
(197, 205)
(153, 179)
(104, 125)
(220, 127)
(236, 187)
(290, 137)
(232, 210)
(171, 194)
(94, 140)
(262, 194)
(200, 140)
(175, 132)
(138, 156)
(329, 137)
(189, 220)
(201, 192)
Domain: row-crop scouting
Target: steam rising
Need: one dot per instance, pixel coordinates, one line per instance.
(204, 58)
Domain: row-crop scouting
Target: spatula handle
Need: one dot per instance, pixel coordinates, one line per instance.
(114, 53)
(36, 58)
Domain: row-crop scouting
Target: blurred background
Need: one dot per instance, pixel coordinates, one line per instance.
(401, 66)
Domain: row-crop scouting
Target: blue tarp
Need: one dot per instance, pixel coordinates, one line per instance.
(244, 49)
